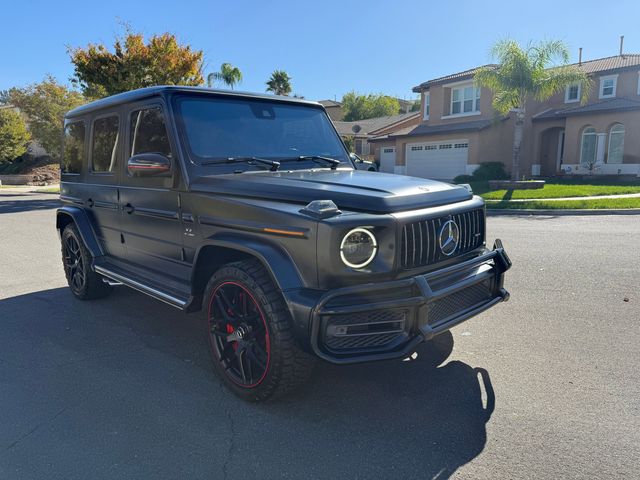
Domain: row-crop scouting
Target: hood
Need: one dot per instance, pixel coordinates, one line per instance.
(353, 190)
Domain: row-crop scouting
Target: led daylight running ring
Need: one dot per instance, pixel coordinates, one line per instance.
(373, 251)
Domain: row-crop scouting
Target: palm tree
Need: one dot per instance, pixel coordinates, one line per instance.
(523, 74)
(228, 74)
(279, 83)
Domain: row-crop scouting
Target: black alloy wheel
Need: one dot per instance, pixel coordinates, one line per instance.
(238, 334)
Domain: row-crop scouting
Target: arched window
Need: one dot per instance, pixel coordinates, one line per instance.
(616, 143)
(588, 146)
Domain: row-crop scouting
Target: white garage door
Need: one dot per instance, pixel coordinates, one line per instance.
(441, 160)
(387, 159)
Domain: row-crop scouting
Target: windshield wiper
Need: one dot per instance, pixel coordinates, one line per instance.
(333, 162)
(248, 160)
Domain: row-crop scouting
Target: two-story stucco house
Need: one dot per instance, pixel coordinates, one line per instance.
(459, 128)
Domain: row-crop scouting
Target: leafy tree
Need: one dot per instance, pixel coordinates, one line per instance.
(415, 107)
(228, 74)
(135, 64)
(360, 107)
(13, 135)
(537, 71)
(45, 104)
(349, 142)
(279, 83)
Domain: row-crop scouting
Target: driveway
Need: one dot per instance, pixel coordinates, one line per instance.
(544, 386)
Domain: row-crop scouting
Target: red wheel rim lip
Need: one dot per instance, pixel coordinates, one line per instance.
(264, 322)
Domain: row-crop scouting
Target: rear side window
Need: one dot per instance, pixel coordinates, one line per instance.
(73, 154)
(104, 146)
(148, 132)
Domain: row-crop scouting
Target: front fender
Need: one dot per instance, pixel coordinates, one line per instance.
(68, 214)
(275, 259)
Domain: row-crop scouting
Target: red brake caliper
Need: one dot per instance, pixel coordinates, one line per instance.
(230, 330)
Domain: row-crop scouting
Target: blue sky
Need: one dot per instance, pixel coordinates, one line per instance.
(328, 47)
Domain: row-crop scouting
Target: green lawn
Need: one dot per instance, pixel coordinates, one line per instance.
(568, 204)
(48, 190)
(558, 189)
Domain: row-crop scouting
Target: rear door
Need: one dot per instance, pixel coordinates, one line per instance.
(100, 190)
(151, 223)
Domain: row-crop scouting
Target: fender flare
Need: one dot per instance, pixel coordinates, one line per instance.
(78, 216)
(274, 258)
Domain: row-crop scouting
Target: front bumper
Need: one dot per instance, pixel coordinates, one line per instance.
(389, 319)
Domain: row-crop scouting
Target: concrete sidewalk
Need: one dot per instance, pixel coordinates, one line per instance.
(593, 197)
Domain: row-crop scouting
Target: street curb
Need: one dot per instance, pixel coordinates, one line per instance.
(563, 212)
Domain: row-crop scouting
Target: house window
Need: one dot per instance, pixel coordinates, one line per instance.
(388, 150)
(608, 86)
(416, 148)
(461, 145)
(445, 146)
(104, 149)
(427, 103)
(431, 147)
(572, 93)
(588, 146)
(616, 144)
(465, 99)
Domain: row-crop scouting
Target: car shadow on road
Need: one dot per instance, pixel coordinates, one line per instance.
(422, 418)
(8, 205)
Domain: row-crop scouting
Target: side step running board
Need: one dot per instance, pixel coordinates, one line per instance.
(141, 287)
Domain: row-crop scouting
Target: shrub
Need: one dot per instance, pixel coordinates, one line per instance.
(464, 179)
(490, 171)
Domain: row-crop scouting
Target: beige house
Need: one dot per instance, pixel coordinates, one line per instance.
(459, 129)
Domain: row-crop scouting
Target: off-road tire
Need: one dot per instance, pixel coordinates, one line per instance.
(92, 285)
(287, 366)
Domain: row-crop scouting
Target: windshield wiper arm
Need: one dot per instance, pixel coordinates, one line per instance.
(333, 162)
(248, 160)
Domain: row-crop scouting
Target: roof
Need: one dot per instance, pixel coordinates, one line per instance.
(364, 127)
(424, 129)
(590, 66)
(610, 63)
(454, 76)
(329, 103)
(142, 93)
(613, 104)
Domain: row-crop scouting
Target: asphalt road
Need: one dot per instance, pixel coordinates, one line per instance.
(545, 386)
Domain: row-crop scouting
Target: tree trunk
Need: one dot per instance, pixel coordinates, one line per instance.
(518, 131)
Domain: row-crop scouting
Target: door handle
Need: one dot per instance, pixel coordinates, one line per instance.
(128, 208)
(90, 202)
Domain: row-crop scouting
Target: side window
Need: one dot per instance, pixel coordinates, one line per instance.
(104, 146)
(148, 133)
(73, 153)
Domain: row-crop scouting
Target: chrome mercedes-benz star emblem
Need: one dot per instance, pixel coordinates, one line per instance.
(449, 237)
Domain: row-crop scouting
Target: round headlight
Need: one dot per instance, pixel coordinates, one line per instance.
(358, 248)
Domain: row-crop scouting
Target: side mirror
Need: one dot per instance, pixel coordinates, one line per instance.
(355, 158)
(149, 165)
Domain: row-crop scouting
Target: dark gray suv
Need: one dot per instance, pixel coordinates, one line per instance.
(249, 209)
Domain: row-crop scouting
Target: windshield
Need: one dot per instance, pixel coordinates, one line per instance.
(218, 128)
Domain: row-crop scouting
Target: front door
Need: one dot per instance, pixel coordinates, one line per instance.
(151, 223)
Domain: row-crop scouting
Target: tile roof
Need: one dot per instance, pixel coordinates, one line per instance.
(371, 124)
(454, 76)
(424, 129)
(588, 66)
(613, 104)
(329, 103)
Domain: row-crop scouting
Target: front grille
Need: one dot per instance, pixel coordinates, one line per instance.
(367, 330)
(443, 308)
(420, 246)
